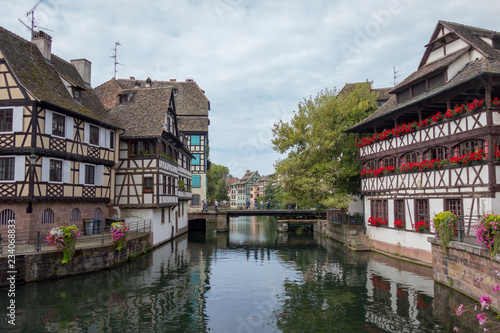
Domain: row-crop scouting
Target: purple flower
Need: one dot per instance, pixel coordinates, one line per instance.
(460, 310)
(482, 318)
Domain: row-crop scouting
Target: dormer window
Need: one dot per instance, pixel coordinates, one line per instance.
(123, 98)
(496, 43)
(77, 93)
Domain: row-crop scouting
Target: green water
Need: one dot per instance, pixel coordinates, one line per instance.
(251, 279)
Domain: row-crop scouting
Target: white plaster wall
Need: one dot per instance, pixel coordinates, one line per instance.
(434, 55)
(457, 66)
(487, 40)
(455, 46)
(475, 55)
(414, 240)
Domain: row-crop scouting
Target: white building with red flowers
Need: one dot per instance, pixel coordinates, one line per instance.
(434, 146)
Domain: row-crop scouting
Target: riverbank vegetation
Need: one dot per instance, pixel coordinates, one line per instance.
(322, 165)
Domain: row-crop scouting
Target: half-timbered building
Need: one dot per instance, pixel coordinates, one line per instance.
(433, 146)
(153, 177)
(57, 143)
(192, 108)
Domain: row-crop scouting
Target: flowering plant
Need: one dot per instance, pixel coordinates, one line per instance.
(377, 221)
(446, 225)
(64, 239)
(497, 155)
(403, 129)
(421, 226)
(119, 234)
(398, 224)
(488, 232)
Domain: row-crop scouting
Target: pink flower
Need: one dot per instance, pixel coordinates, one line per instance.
(496, 288)
(460, 310)
(482, 318)
(485, 301)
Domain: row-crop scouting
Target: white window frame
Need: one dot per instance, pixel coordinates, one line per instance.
(17, 118)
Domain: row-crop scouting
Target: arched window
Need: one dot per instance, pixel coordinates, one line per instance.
(411, 157)
(436, 153)
(6, 215)
(470, 146)
(75, 215)
(369, 165)
(388, 161)
(98, 213)
(48, 216)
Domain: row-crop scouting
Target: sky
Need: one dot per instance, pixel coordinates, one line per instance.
(256, 60)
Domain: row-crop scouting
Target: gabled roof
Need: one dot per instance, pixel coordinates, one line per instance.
(143, 115)
(383, 93)
(42, 79)
(247, 177)
(471, 35)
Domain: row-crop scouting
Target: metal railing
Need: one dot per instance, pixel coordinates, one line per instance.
(35, 241)
(347, 219)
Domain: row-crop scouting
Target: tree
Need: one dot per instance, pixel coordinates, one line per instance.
(216, 183)
(322, 165)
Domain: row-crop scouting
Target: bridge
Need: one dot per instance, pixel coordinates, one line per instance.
(197, 220)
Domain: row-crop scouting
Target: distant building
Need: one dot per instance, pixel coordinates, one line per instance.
(231, 191)
(192, 108)
(57, 143)
(243, 187)
(153, 177)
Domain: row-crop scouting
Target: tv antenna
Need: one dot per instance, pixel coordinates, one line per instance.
(395, 75)
(115, 57)
(33, 24)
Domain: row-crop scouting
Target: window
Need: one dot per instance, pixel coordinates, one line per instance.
(55, 171)
(164, 185)
(471, 146)
(419, 88)
(411, 158)
(77, 93)
(140, 148)
(123, 98)
(7, 168)
(111, 140)
(195, 140)
(196, 182)
(370, 165)
(58, 122)
(379, 208)
(389, 161)
(399, 211)
(196, 159)
(6, 120)
(454, 206)
(48, 216)
(195, 201)
(94, 135)
(436, 80)
(437, 153)
(98, 213)
(422, 210)
(403, 96)
(75, 215)
(6, 215)
(89, 174)
(148, 184)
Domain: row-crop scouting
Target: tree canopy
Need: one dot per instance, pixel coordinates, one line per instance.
(322, 165)
(216, 183)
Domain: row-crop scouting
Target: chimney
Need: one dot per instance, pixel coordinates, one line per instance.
(44, 43)
(173, 80)
(132, 78)
(149, 83)
(83, 66)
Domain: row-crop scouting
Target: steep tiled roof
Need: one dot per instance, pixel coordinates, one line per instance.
(144, 113)
(383, 92)
(469, 72)
(42, 79)
(248, 175)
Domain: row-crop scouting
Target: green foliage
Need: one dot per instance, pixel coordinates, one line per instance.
(446, 225)
(216, 183)
(322, 165)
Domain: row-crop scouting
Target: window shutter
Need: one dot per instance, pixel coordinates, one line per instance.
(82, 173)
(69, 127)
(45, 169)
(19, 168)
(48, 122)
(66, 172)
(86, 134)
(99, 175)
(17, 119)
(102, 137)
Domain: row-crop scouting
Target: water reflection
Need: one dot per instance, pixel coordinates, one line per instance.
(251, 279)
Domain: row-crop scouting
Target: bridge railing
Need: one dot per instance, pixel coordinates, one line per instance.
(337, 216)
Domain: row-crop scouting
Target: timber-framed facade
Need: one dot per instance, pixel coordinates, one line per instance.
(432, 147)
(153, 177)
(57, 143)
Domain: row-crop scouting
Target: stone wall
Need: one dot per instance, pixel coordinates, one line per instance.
(350, 235)
(47, 265)
(467, 268)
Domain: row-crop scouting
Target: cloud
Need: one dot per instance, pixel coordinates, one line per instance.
(256, 60)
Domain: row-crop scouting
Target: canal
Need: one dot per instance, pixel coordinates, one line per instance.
(251, 279)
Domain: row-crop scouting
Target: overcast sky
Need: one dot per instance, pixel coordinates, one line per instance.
(256, 60)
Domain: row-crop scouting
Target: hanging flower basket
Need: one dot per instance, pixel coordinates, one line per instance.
(119, 234)
(64, 239)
